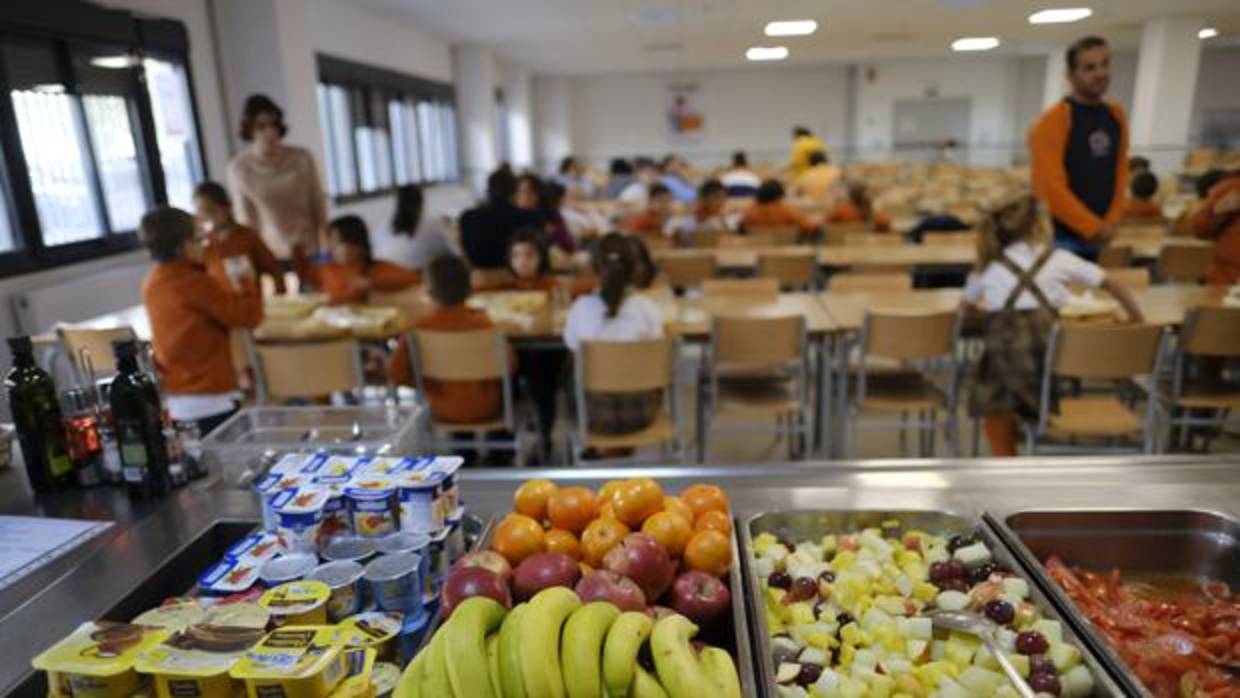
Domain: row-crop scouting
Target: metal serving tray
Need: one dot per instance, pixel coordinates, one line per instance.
(813, 524)
(1178, 542)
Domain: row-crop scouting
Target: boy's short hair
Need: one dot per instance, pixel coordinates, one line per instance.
(1144, 186)
(770, 191)
(1138, 163)
(164, 231)
(711, 187)
(740, 159)
(213, 192)
(1080, 45)
(818, 158)
(1206, 182)
(659, 189)
(449, 280)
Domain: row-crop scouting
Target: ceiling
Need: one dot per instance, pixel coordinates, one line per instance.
(595, 36)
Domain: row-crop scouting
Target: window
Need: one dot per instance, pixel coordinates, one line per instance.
(383, 129)
(6, 220)
(172, 108)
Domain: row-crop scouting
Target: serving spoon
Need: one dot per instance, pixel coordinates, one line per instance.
(984, 630)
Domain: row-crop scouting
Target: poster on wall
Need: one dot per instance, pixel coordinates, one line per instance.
(684, 113)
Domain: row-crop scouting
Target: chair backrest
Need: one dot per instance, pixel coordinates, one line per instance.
(626, 367)
(1141, 229)
(755, 342)
(1104, 351)
(873, 239)
(956, 238)
(490, 277)
(863, 281)
(687, 270)
(837, 233)
(409, 299)
(656, 242)
(97, 343)
(1212, 331)
(306, 369)
(1115, 256)
(745, 241)
(791, 269)
(910, 336)
(778, 234)
(705, 237)
(474, 355)
(1188, 263)
(750, 290)
(1132, 277)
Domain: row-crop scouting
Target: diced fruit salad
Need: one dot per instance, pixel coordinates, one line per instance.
(846, 615)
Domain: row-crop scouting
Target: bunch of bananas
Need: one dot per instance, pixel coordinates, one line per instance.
(556, 647)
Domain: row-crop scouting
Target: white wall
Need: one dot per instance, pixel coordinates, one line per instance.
(1216, 86)
(553, 128)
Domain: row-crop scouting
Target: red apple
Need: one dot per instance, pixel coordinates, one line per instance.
(640, 558)
(605, 585)
(466, 582)
(700, 596)
(542, 570)
(486, 559)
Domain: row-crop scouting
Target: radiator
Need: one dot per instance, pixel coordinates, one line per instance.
(39, 309)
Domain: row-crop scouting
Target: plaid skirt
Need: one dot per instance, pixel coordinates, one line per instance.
(1009, 376)
(616, 414)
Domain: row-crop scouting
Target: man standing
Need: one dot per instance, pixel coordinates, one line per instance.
(1079, 152)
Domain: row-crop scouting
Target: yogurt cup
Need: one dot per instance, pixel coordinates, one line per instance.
(286, 568)
(97, 659)
(410, 637)
(448, 467)
(228, 577)
(348, 547)
(290, 463)
(373, 507)
(374, 630)
(402, 542)
(384, 679)
(456, 537)
(332, 469)
(268, 488)
(299, 516)
(259, 546)
(344, 578)
(293, 662)
(336, 519)
(297, 603)
(395, 582)
(421, 498)
(439, 564)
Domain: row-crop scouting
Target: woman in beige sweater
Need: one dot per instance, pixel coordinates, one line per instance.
(275, 186)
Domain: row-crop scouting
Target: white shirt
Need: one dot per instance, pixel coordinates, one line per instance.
(191, 408)
(638, 318)
(994, 284)
(428, 243)
(635, 193)
(740, 178)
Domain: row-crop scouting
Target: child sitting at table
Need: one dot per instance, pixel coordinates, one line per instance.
(615, 313)
(653, 220)
(529, 264)
(1021, 283)
(858, 208)
(353, 272)
(191, 315)
(769, 209)
(227, 240)
(1141, 205)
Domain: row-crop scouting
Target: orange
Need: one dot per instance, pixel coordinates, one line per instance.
(671, 530)
(637, 500)
(572, 508)
(713, 521)
(710, 552)
(517, 537)
(531, 498)
(702, 498)
(608, 489)
(606, 510)
(561, 541)
(677, 505)
(599, 537)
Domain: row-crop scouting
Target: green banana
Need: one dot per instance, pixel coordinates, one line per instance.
(465, 645)
(408, 686)
(624, 641)
(645, 685)
(510, 653)
(580, 656)
(493, 664)
(435, 681)
(540, 654)
(674, 658)
(721, 672)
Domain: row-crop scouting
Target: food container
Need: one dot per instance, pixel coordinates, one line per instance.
(172, 617)
(447, 466)
(344, 578)
(297, 603)
(386, 466)
(1189, 544)
(413, 634)
(287, 568)
(259, 546)
(268, 488)
(357, 681)
(373, 507)
(97, 659)
(402, 542)
(299, 515)
(331, 470)
(290, 463)
(420, 510)
(384, 679)
(456, 537)
(294, 661)
(815, 524)
(396, 583)
(375, 630)
(228, 577)
(195, 663)
(348, 547)
(439, 563)
(336, 518)
(239, 614)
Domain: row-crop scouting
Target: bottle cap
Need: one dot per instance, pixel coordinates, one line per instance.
(21, 344)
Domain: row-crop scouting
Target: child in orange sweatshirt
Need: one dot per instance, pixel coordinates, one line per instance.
(353, 272)
(229, 240)
(1141, 205)
(859, 209)
(652, 221)
(769, 209)
(1219, 219)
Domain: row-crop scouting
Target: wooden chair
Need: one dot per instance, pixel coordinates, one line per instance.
(1184, 263)
(687, 269)
(858, 239)
(916, 341)
(1140, 229)
(757, 372)
(1132, 277)
(628, 367)
(745, 242)
(90, 352)
(1209, 337)
(476, 355)
(705, 238)
(864, 281)
(489, 277)
(792, 269)
(777, 234)
(837, 233)
(313, 369)
(1115, 256)
(656, 242)
(409, 300)
(961, 238)
(741, 290)
(1115, 354)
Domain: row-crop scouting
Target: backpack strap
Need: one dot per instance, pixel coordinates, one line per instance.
(1025, 279)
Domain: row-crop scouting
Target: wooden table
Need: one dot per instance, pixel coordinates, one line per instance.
(848, 309)
(1167, 305)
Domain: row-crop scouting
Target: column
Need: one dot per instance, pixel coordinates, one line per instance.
(476, 80)
(1166, 82)
(552, 132)
(1056, 85)
(517, 88)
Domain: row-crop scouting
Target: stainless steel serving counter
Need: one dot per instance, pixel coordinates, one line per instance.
(86, 583)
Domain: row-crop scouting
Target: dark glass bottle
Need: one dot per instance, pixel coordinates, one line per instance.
(136, 418)
(36, 415)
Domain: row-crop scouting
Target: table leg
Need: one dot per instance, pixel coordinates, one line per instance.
(841, 407)
(823, 397)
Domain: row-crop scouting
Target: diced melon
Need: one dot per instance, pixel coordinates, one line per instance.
(763, 567)
(851, 634)
(828, 683)
(1007, 639)
(1064, 656)
(938, 650)
(801, 613)
(1016, 587)
(1006, 691)
(979, 681)
(919, 628)
(907, 684)
(1050, 630)
(959, 653)
(865, 659)
(851, 687)
(896, 665)
(986, 660)
(792, 692)
(952, 601)
(1077, 682)
(843, 560)
(951, 689)
(876, 618)
(937, 553)
(916, 648)
(925, 592)
(845, 658)
(813, 655)
(880, 686)
(973, 555)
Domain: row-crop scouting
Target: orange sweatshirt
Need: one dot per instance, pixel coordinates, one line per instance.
(345, 284)
(1140, 210)
(191, 314)
(847, 212)
(241, 241)
(1048, 139)
(544, 282)
(458, 402)
(775, 213)
(1225, 229)
(645, 223)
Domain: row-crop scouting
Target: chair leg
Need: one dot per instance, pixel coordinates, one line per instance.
(977, 436)
(903, 434)
(932, 430)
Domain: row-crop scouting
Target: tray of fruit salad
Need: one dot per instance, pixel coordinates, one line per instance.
(843, 601)
(627, 591)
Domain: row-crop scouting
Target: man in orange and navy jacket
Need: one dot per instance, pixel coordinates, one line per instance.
(1079, 154)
